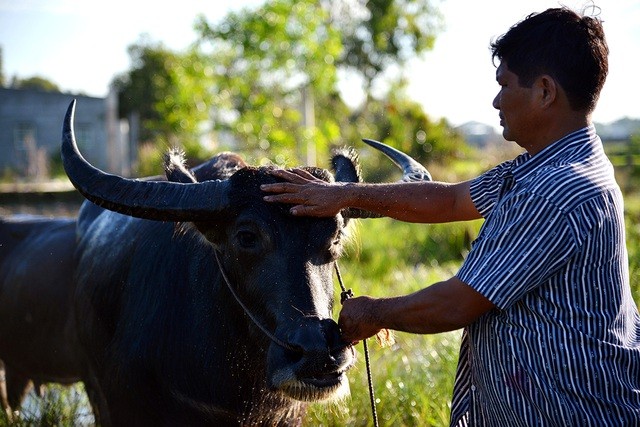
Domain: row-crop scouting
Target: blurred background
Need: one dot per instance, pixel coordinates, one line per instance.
(280, 81)
(283, 82)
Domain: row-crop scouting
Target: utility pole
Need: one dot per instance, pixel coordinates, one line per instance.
(309, 123)
(1, 68)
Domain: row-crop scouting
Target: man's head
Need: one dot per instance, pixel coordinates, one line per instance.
(562, 44)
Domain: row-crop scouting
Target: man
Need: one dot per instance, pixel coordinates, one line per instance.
(551, 332)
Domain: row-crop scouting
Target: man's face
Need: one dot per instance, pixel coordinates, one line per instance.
(515, 104)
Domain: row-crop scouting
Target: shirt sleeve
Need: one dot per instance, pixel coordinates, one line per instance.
(522, 243)
(486, 188)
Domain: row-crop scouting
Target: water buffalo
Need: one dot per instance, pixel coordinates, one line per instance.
(198, 303)
(37, 333)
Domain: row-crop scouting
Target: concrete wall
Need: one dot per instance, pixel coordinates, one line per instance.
(31, 124)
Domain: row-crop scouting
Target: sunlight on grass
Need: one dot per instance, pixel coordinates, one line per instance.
(61, 406)
(413, 379)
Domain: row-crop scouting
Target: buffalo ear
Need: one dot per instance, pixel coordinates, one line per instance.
(346, 168)
(175, 167)
(345, 165)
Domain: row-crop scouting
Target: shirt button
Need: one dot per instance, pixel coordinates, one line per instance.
(473, 388)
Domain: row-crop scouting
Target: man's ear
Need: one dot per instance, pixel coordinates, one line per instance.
(547, 88)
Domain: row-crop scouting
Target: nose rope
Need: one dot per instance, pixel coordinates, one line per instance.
(271, 336)
(345, 295)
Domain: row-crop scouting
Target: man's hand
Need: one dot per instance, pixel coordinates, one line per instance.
(441, 307)
(310, 196)
(357, 319)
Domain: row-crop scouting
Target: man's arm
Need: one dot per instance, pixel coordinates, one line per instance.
(444, 306)
(427, 202)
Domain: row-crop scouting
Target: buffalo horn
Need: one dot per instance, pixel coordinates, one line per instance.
(411, 169)
(156, 200)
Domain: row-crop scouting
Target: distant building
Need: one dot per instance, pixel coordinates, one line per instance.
(31, 131)
(621, 130)
(483, 135)
(480, 134)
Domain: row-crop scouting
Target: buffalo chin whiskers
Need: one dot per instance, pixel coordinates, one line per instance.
(306, 392)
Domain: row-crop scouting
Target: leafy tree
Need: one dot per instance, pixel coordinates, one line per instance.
(35, 83)
(265, 61)
(269, 58)
(402, 123)
(169, 92)
(255, 71)
(379, 34)
(633, 156)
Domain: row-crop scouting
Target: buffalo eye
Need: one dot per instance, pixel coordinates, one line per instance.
(247, 239)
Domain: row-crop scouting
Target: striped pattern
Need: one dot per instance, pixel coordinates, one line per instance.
(562, 347)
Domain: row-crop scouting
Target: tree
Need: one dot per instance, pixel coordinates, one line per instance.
(379, 34)
(35, 83)
(402, 123)
(266, 59)
(255, 71)
(169, 92)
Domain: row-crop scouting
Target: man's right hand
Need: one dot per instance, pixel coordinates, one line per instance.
(310, 196)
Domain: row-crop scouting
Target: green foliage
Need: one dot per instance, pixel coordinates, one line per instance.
(632, 213)
(169, 91)
(378, 34)
(56, 169)
(35, 83)
(150, 160)
(266, 80)
(265, 62)
(411, 246)
(633, 156)
(61, 406)
(402, 123)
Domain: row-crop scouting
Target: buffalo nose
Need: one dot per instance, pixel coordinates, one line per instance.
(333, 336)
(315, 337)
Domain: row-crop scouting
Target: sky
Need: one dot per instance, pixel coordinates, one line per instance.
(82, 44)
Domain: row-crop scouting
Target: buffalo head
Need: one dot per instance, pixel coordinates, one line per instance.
(265, 275)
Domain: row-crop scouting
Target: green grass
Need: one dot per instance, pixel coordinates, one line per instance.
(413, 380)
(61, 407)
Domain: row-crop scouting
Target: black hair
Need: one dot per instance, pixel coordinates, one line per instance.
(563, 44)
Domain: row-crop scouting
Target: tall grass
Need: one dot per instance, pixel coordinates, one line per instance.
(413, 380)
(60, 406)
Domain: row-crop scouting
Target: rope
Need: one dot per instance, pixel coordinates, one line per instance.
(345, 295)
(271, 336)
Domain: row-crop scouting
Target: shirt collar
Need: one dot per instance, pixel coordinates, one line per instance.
(525, 164)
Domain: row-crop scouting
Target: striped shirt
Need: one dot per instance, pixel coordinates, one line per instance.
(562, 345)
